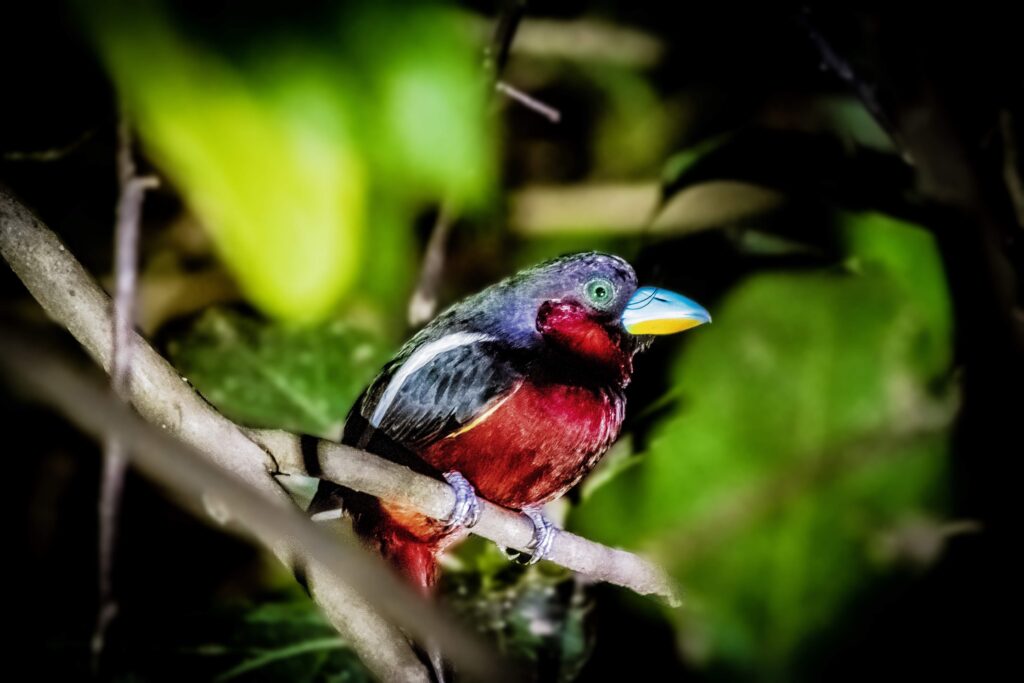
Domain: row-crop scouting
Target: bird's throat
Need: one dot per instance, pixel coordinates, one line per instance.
(578, 339)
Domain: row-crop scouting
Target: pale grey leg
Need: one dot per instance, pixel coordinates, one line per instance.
(466, 512)
(543, 536)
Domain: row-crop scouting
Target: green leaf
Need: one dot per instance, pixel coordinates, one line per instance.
(815, 417)
(271, 656)
(266, 374)
(291, 138)
(264, 156)
(285, 640)
(282, 639)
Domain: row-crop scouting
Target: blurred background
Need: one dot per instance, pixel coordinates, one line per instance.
(825, 470)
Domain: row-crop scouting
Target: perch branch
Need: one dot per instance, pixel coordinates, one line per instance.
(71, 297)
(397, 484)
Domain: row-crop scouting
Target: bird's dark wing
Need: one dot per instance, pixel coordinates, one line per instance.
(435, 390)
(428, 391)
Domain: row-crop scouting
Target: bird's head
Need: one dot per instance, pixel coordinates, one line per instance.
(588, 308)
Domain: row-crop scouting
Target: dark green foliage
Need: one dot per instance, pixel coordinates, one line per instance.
(269, 375)
(805, 430)
(538, 617)
(286, 640)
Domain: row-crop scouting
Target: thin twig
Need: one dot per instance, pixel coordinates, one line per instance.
(1011, 165)
(423, 302)
(496, 57)
(397, 484)
(115, 463)
(497, 51)
(528, 101)
(865, 91)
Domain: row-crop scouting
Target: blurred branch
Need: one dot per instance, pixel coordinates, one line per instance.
(185, 470)
(423, 302)
(497, 51)
(624, 208)
(1012, 164)
(588, 40)
(73, 299)
(867, 92)
(115, 464)
(914, 95)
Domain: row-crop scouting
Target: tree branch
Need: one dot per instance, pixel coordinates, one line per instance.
(397, 484)
(423, 302)
(344, 571)
(115, 464)
(529, 101)
(72, 298)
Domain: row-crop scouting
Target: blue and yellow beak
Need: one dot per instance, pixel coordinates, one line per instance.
(652, 310)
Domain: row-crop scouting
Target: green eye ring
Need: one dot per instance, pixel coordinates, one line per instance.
(599, 292)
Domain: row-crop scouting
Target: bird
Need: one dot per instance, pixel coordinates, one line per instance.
(511, 395)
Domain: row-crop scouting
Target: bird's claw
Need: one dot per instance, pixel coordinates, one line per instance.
(466, 512)
(543, 537)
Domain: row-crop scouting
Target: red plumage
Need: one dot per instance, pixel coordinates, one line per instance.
(529, 448)
(519, 389)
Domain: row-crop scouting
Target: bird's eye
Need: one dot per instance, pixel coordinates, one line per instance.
(599, 291)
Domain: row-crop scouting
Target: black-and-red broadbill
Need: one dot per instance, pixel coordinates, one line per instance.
(511, 395)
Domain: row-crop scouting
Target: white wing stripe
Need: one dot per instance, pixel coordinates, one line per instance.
(417, 360)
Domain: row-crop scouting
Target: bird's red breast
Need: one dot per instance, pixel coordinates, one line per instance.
(535, 444)
(518, 388)
(530, 447)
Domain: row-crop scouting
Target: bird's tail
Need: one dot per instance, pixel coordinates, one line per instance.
(413, 558)
(400, 538)
(408, 542)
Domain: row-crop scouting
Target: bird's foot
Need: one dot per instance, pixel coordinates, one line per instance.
(466, 512)
(543, 536)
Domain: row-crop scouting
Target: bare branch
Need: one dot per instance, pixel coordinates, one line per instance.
(1012, 164)
(370, 474)
(186, 471)
(497, 52)
(73, 299)
(589, 40)
(423, 302)
(528, 101)
(115, 464)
